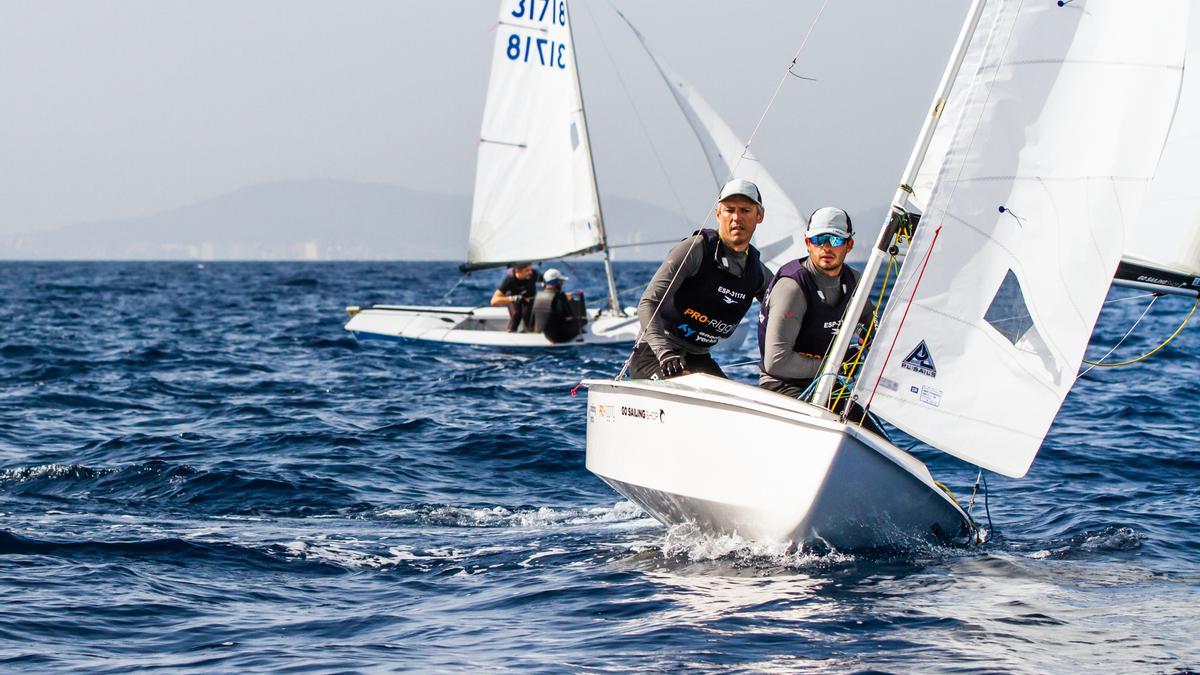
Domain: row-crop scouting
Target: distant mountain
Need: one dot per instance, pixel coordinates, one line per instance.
(313, 220)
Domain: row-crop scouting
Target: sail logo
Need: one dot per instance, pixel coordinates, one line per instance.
(920, 361)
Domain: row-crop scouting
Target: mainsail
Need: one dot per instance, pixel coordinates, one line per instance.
(535, 189)
(1163, 246)
(1064, 109)
(780, 236)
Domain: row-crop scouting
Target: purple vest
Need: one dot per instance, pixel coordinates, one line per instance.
(708, 305)
(821, 320)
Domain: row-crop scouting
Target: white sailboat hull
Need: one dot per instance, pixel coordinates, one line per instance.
(487, 326)
(735, 459)
(478, 326)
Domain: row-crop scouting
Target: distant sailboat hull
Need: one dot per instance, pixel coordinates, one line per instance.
(484, 326)
(728, 458)
(487, 327)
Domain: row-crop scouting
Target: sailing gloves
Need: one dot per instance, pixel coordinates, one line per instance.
(672, 365)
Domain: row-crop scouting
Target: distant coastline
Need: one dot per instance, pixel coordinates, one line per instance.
(311, 220)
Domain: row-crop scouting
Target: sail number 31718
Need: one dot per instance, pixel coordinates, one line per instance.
(528, 9)
(521, 49)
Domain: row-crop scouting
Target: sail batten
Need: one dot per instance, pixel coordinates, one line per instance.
(1032, 177)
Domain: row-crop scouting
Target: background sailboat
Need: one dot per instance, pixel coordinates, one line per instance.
(535, 186)
(536, 196)
(1162, 249)
(1032, 173)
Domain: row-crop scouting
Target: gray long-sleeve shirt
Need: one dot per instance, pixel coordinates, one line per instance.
(786, 307)
(685, 259)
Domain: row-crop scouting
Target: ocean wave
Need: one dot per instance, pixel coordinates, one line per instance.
(443, 515)
(162, 487)
(174, 550)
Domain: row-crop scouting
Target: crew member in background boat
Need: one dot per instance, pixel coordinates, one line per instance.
(516, 292)
(554, 314)
(804, 306)
(702, 290)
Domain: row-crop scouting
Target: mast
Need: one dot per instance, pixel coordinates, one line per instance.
(858, 300)
(614, 302)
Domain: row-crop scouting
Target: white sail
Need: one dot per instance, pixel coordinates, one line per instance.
(535, 195)
(949, 113)
(1167, 236)
(1063, 118)
(780, 236)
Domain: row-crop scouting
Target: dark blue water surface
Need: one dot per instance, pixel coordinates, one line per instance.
(200, 469)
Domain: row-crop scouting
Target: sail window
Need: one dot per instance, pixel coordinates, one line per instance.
(1008, 313)
(574, 137)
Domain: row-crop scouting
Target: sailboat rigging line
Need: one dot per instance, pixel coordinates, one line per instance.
(1122, 340)
(732, 173)
(638, 114)
(896, 335)
(812, 385)
(987, 509)
(786, 73)
(1148, 354)
(974, 493)
(644, 243)
(1132, 297)
(446, 298)
(852, 367)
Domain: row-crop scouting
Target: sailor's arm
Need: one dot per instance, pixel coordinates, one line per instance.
(682, 262)
(499, 299)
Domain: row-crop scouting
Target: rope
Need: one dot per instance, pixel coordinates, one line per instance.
(645, 243)
(1099, 364)
(637, 113)
(446, 297)
(732, 172)
(851, 368)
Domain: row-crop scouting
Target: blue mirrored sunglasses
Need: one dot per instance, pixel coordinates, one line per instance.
(830, 239)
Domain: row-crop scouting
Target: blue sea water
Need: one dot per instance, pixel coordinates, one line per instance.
(200, 469)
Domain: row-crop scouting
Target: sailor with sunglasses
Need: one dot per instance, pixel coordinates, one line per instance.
(804, 305)
(702, 290)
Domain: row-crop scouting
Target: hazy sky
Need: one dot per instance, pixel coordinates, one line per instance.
(123, 108)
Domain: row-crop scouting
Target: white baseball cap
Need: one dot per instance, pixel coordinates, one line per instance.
(552, 275)
(829, 220)
(742, 187)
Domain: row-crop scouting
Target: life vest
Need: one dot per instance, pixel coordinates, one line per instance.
(556, 326)
(821, 320)
(708, 305)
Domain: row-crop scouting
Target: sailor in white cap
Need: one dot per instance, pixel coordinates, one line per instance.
(805, 303)
(702, 290)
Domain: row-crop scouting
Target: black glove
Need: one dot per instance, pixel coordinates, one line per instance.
(672, 365)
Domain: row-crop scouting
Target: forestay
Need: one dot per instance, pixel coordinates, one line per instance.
(535, 195)
(1167, 236)
(1064, 113)
(728, 158)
